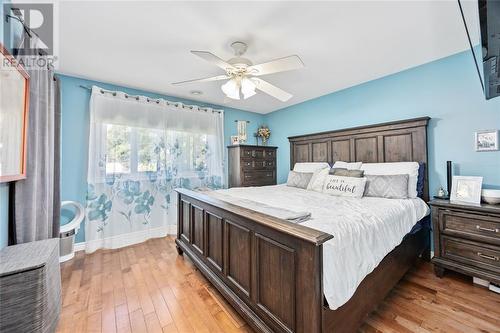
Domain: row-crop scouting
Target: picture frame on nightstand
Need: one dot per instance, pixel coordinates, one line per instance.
(466, 190)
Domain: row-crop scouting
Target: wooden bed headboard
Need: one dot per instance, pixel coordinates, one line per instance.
(397, 141)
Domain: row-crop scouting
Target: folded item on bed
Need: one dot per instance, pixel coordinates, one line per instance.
(281, 213)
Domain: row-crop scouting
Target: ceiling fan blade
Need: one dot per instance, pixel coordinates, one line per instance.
(272, 90)
(212, 58)
(207, 79)
(278, 65)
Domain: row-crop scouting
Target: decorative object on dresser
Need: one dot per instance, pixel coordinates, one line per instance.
(235, 140)
(466, 190)
(30, 287)
(466, 239)
(251, 165)
(487, 140)
(491, 196)
(264, 133)
(442, 194)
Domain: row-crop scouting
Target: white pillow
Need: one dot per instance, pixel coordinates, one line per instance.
(310, 166)
(317, 180)
(344, 186)
(348, 166)
(396, 168)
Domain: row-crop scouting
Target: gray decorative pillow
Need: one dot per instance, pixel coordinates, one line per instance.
(299, 179)
(344, 172)
(387, 186)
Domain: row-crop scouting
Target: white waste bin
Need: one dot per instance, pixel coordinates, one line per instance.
(68, 231)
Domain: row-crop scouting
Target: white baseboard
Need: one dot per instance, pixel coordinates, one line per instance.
(79, 246)
(126, 239)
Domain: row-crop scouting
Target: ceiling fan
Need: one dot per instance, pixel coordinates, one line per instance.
(244, 77)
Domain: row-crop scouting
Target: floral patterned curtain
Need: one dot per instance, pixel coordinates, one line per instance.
(140, 151)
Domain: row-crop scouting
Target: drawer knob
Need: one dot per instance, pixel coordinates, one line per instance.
(485, 256)
(487, 229)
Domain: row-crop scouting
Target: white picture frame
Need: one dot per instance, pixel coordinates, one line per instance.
(235, 140)
(466, 190)
(241, 126)
(486, 140)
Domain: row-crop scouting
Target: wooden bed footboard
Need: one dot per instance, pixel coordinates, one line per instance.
(268, 269)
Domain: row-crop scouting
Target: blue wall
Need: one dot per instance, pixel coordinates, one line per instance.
(75, 132)
(447, 90)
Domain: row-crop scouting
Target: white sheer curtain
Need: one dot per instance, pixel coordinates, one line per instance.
(140, 150)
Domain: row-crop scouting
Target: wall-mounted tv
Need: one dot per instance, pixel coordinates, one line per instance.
(482, 25)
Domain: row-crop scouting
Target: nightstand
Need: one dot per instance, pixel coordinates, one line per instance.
(466, 239)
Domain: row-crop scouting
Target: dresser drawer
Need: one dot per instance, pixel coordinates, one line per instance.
(252, 153)
(473, 226)
(471, 253)
(269, 153)
(258, 153)
(259, 178)
(258, 164)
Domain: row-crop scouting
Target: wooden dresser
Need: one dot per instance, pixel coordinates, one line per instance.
(466, 239)
(251, 165)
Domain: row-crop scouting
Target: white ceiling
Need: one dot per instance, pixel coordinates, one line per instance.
(344, 43)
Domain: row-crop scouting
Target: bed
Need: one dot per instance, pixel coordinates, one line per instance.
(272, 271)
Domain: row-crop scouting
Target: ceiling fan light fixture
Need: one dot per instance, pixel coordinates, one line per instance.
(249, 94)
(231, 89)
(247, 87)
(244, 76)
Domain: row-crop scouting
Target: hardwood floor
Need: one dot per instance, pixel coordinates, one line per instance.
(149, 288)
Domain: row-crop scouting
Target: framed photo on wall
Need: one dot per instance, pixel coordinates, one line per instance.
(466, 190)
(14, 106)
(487, 140)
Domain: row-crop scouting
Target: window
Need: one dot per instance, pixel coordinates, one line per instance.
(131, 150)
(117, 149)
(148, 156)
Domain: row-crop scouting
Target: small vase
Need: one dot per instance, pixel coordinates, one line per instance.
(264, 142)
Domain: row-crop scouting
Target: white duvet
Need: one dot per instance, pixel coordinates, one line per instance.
(365, 230)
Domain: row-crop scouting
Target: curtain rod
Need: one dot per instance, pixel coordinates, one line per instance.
(18, 16)
(157, 100)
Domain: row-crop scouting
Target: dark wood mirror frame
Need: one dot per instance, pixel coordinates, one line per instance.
(11, 61)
